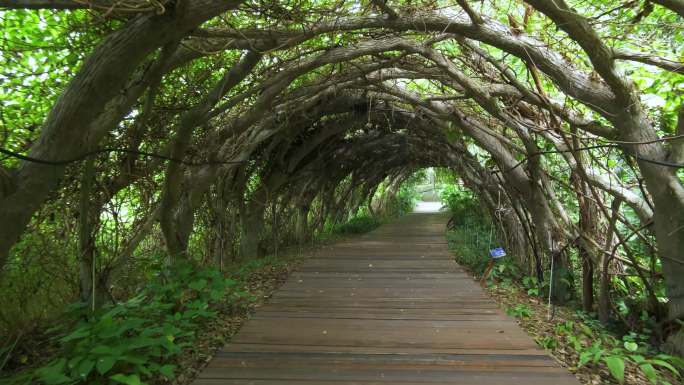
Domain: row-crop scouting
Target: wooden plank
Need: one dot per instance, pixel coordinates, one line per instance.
(390, 307)
(230, 359)
(365, 349)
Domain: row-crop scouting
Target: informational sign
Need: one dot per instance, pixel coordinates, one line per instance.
(497, 253)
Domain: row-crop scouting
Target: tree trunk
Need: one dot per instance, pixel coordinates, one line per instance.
(588, 226)
(101, 78)
(604, 292)
(604, 289)
(177, 214)
(86, 239)
(302, 226)
(546, 231)
(587, 281)
(675, 344)
(562, 278)
(252, 226)
(669, 230)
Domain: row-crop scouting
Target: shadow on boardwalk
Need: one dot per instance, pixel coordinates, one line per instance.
(388, 307)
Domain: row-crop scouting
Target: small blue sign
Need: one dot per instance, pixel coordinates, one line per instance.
(497, 252)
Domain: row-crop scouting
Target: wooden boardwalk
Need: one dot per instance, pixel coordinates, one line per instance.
(390, 307)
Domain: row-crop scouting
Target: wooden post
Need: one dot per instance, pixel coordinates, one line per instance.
(488, 270)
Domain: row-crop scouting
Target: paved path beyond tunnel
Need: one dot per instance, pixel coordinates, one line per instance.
(390, 307)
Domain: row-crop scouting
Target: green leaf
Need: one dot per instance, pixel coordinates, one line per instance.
(637, 358)
(616, 366)
(650, 373)
(53, 374)
(133, 379)
(133, 359)
(665, 365)
(168, 371)
(75, 361)
(597, 356)
(198, 285)
(215, 295)
(143, 369)
(674, 360)
(76, 334)
(103, 350)
(105, 364)
(585, 357)
(85, 368)
(631, 346)
(142, 342)
(586, 329)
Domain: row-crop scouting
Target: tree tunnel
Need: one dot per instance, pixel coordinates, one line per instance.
(218, 122)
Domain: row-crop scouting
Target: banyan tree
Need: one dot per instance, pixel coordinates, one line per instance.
(127, 124)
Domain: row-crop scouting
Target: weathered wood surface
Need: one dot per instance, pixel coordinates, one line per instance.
(390, 307)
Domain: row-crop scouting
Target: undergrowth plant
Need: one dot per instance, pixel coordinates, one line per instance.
(136, 340)
(519, 311)
(470, 233)
(469, 238)
(594, 345)
(358, 225)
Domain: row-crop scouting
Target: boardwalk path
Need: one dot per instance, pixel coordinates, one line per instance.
(390, 307)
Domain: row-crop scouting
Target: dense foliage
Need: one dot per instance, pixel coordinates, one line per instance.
(142, 134)
(471, 235)
(138, 337)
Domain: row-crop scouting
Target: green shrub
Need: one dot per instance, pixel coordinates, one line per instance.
(470, 233)
(471, 251)
(358, 225)
(132, 341)
(465, 207)
(596, 345)
(519, 311)
(402, 202)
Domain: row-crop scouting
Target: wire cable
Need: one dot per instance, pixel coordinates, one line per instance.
(12, 154)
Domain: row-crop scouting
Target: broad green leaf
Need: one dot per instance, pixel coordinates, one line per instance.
(597, 356)
(665, 365)
(75, 361)
(585, 357)
(76, 334)
(637, 358)
(674, 360)
(102, 349)
(650, 372)
(132, 379)
(53, 374)
(142, 342)
(105, 364)
(616, 366)
(133, 359)
(198, 285)
(168, 371)
(85, 367)
(631, 346)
